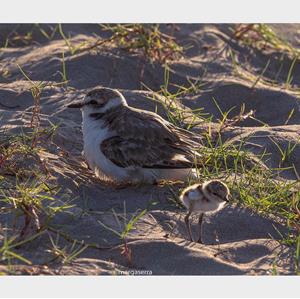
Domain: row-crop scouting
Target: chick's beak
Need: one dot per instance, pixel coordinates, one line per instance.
(78, 104)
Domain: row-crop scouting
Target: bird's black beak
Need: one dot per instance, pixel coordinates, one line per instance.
(78, 104)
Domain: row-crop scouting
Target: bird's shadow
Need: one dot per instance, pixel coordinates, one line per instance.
(231, 224)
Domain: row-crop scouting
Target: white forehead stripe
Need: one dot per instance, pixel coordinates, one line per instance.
(114, 102)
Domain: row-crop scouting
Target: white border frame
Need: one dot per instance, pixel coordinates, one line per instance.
(150, 287)
(143, 11)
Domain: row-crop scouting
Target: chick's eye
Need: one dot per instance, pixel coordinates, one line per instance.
(93, 102)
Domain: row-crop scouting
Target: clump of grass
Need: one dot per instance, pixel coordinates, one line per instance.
(18, 151)
(36, 88)
(27, 191)
(28, 195)
(286, 152)
(8, 249)
(226, 122)
(47, 33)
(178, 116)
(33, 200)
(272, 197)
(73, 49)
(15, 38)
(262, 37)
(63, 73)
(169, 99)
(67, 253)
(126, 225)
(145, 40)
(289, 77)
(240, 71)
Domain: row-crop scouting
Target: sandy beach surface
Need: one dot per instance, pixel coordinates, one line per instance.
(237, 240)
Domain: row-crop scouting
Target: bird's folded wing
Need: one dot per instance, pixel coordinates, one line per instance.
(131, 152)
(145, 139)
(142, 125)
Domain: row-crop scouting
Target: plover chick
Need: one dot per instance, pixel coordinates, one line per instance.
(210, 196)
(127, 145)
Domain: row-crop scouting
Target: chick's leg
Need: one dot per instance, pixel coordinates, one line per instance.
(200, 228)
(188, 225)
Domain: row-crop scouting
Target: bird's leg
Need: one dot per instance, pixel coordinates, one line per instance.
(200, 228)
(188, 225)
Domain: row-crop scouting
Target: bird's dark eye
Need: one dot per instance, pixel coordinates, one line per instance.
(93, 102)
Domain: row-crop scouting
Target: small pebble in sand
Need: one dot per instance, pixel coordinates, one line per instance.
(210, 196)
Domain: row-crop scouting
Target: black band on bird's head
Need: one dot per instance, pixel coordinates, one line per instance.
(78, 104)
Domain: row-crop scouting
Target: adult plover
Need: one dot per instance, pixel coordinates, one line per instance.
(210, 196)
(129, 145)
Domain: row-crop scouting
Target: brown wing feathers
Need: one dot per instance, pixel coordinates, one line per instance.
(140, 133)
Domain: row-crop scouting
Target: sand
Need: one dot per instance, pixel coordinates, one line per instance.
(237, 241)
